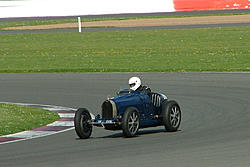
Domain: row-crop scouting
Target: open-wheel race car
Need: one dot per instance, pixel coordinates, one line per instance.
(129, 111)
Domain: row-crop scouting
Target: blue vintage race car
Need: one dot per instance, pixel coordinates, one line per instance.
(129, 111)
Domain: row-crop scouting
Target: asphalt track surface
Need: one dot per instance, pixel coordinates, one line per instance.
(214, 129)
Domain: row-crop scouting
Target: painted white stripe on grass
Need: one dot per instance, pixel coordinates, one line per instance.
(30, 134)
(62, 123)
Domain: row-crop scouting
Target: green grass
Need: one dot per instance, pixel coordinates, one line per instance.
(14, 118)
(175, 50)
(48, 21)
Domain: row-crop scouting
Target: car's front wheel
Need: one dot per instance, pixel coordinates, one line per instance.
(171, 114)
(130, 124)
(81, 121)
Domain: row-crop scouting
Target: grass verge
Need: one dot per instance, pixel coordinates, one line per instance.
(15, 118)
(49, 21)
(173, 50)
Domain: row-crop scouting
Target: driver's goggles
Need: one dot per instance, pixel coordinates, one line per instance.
(132, 85)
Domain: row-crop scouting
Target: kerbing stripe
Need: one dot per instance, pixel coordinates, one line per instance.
(52, 128)
(65, 123)
(8, 139)
(29, 134)
(65, 111)
(62, 123)
(67, 115)
(51, 109)
(66, 119)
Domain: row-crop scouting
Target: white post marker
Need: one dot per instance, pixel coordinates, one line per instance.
(79, 24)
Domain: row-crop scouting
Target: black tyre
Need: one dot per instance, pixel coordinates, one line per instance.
(171, 114)
(81, 121)
(130, 123)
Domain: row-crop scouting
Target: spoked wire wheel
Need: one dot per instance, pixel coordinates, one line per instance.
(131, 123)
(84, 122)
(175, 116)
(82, 126)
(171, 114)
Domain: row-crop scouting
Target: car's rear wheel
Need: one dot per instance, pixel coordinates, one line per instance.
(81, 121)
(171, 114)
(130, 124)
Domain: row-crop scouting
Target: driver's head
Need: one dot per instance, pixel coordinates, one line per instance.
(134, 83)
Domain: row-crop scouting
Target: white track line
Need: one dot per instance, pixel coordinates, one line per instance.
(63, 115)
(62, 123)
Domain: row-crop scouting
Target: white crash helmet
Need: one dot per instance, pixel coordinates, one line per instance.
(134, 83)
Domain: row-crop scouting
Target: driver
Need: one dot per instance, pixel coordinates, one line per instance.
(135, 85)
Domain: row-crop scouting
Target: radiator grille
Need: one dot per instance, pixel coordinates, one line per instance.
(107, 110)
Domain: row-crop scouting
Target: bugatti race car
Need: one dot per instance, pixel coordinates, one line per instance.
(129, 111)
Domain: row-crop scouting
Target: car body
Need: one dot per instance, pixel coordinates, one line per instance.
(129, 111)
